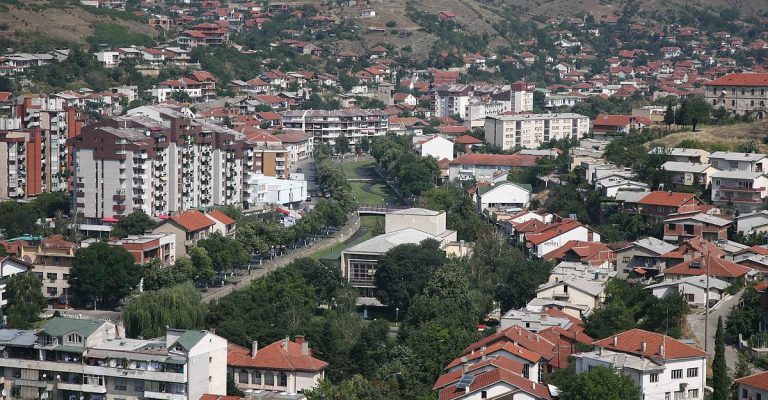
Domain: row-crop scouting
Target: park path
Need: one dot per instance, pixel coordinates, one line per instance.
(279, 262)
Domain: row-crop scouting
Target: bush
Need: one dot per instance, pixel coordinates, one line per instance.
(390, 24)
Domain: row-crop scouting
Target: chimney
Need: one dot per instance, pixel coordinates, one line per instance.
(299, 339)
(465, 368)
(304, 348)
(254, 348)
(285, 344)
(661, 350)
(643, 347)
(615, 341)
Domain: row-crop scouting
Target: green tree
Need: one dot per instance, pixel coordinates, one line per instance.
(25, 300)
(694, 111)
(365, 144)
(201, 263)
(598, 383)
(135, 223)
(669, 116)
(17, 219)
(720, 381)
(356, 387)
(396, 279)
(342, 145)
(232, 389)
(52, 202)
(101, 276)
(151, 313)
(743, 366)
(226, 253)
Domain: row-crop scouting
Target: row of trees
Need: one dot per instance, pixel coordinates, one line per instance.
(413, 174)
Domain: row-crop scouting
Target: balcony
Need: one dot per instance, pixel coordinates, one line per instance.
(164, 396)
(161, 376)
(730, 188)
(119, 197)
(118, 208)
(560, 294)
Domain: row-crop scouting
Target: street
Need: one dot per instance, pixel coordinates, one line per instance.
(696, 323)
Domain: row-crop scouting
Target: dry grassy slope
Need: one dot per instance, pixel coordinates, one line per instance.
(568, 8)
(730, 135)
(72, 24)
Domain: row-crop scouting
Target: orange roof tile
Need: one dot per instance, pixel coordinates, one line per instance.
(192, 220)
(499, 362)
(630, 342)
(486, 379)
(508, 160)
(757, 381)
(550, 231)
(669, 199)
(519, 336)
(275, 357)
(742, 79)
(221, 217)
(494, 349)
(468, 139)
(587, 251)
(718, 267)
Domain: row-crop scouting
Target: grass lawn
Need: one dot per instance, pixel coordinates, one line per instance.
(358, 169)
(374, 193)
(365, 232)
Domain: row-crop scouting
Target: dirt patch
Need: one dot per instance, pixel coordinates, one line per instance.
(730, 136)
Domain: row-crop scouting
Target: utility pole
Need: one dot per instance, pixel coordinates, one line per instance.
(706, 308)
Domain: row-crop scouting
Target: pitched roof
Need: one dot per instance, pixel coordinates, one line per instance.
(468, 139)
(718, 267)
(486, 379)
(550, 231)
(498, 362)
(758, 381)
(519, 336)
(741, 79)
(60, 326)
(620, 120)
(512, 160)
(221, 217)
(630, 342)
(585, 250)
(669, 199)
(192, 220)
(494, 348)
(275, 357)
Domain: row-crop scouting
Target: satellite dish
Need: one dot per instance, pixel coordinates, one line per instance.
(5, 392)
(44, 395)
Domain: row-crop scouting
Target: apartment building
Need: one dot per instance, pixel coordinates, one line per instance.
(532, 130)
(741, 190)
(160, 161)
(147, 247)
(660, 366)
(733, 161)
(90, 359)
(739, 94)
(205, 34)
(51, 259)
(326, 126)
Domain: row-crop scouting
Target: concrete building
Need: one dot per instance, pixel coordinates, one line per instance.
(78, 358)
(409, 226)
(732, 161)
(660, 366)
(487, 167)
(148, 247)
(270, 190)
(503, 195)
(438, 147)
(532, 130)
(754, 222)
(327, 126)
(739, 94)
(688, 174)
(683, 155)
(283, 366)
(692, 288)
(753, 387)
(739, 189)
(582, 292)
(679, 228)
(643, 254)
(51, 260)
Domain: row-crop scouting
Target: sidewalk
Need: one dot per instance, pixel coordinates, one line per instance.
(345, 233)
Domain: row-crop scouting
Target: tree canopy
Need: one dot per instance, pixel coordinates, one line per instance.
(25, 300)
(403, 271)
(102, 276)
(135, 223)
(598, 383)
(149, 314)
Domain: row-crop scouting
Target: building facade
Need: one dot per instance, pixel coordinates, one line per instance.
(739, 94)
(327, 126)
(532, 130)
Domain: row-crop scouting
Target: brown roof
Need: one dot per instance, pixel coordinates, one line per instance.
(718, 267)
(275, 357)
(669, 199)
(757, 381)
(508, 160)
(631, 340)
(221, 217)
(468, 139)
(519, 336)
(500, 362)
(585, 250)
(742, 79)
(192, 220)
(550, 231)
(486, 379)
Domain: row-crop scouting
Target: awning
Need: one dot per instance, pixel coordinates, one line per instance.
(163, 216)
(283, 211)
(641, 271)
(109, 219)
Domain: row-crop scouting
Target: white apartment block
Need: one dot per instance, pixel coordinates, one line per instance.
(733, 161)
(532, 130)
(90, 359)
(660, 366)
(326, 126)
(739, 94)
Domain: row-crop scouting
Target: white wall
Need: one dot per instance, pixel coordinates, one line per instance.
(207, 368)
(439, 148)
(508, 194)
(578, 233)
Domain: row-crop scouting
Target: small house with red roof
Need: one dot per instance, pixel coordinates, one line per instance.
(446, 16)
(590, 253)
(613, 124)
(753, 387)
(189, 227)
(222, 223)
(659, 365)
(659, 205)
(552, 236)
(715, 266)
(283, 366)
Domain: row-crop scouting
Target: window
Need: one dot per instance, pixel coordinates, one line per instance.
(677, 374)
(138, 386)
(758, 396)
(668, 396)
(283, 381)
(74, 338)
(654, 378)
(694, 394)
(693, 372)
(672, 227)
(242, 376)
(256, 378)
(269, 379)
(120, 384)
(484, 394)
(625, 259)
(744, 393)
(526, 371)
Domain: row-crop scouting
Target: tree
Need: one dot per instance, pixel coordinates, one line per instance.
(720, 381)
(232, 389)
(342, 145)
(201, 263)
(226, 253)
(25, 300)
(52, 202)
(102, 276)
(397, 280)
(365, 144)
(151, 313)
(356, 387)
(743, 366)
(598, 383)
(693, 111)
(18, 219)
(135, 223)
(669, 115)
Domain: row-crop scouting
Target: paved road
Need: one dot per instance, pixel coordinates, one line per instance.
(696, 322)
(345, 233)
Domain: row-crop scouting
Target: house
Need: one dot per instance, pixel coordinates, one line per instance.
(692, 288)
(658, 205)
(755, 222)
(222, 223)
(368, 13)
(504, 195)
(642, 256)
(733, 161)
(681, 227)
(688, 174)
(671, 52)
(483, 167)
(148, 247)
(613, 124)
(590, 253)
(718, 267)
(552, 236)
(739, 189)
(660, 366)
(283, 366)
(752, 387)
(739, 93)
(611, 185)
(467, 142)
(574, 290)
(498, 383)
(405, 98)
(10, 266)
(446, 16)
(683, 155)
(438, 147)
(189, 227)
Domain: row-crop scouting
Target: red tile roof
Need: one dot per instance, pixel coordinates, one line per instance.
(587, 251)
(519, 336)
(511, 160)
(275, 357)
(620, 120)
(192, 220)
(718, 267)
(757, 381)
(669, 199)
(759, 250)
(486, 379)
(5, 96)
(742, 79)
(221, 217)
(468, 139)
(492, 350)
(498, 362)
(630, 341)
(550, 231)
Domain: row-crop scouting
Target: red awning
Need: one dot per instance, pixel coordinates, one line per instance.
(283, 211)
(163, 216)
(640, 271)
(109, 219)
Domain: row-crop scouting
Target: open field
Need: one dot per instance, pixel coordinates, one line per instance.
(729, 137)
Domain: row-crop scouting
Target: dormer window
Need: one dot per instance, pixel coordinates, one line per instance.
(74, 338)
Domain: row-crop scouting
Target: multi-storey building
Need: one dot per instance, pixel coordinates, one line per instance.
(733, 161)
(160, 161)
(327, 126)
(533, 130)
(740, 94)
(51, 260)
(741, 190)
(89, 359)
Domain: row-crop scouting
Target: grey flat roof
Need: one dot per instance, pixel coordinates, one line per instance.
(523, 117)
(734, 156)
(738, 174)
(416, 211)
(383, 243)
(657, 246)
(676, 166)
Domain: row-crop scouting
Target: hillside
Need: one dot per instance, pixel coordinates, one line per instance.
(727, 137)
(39, 25)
